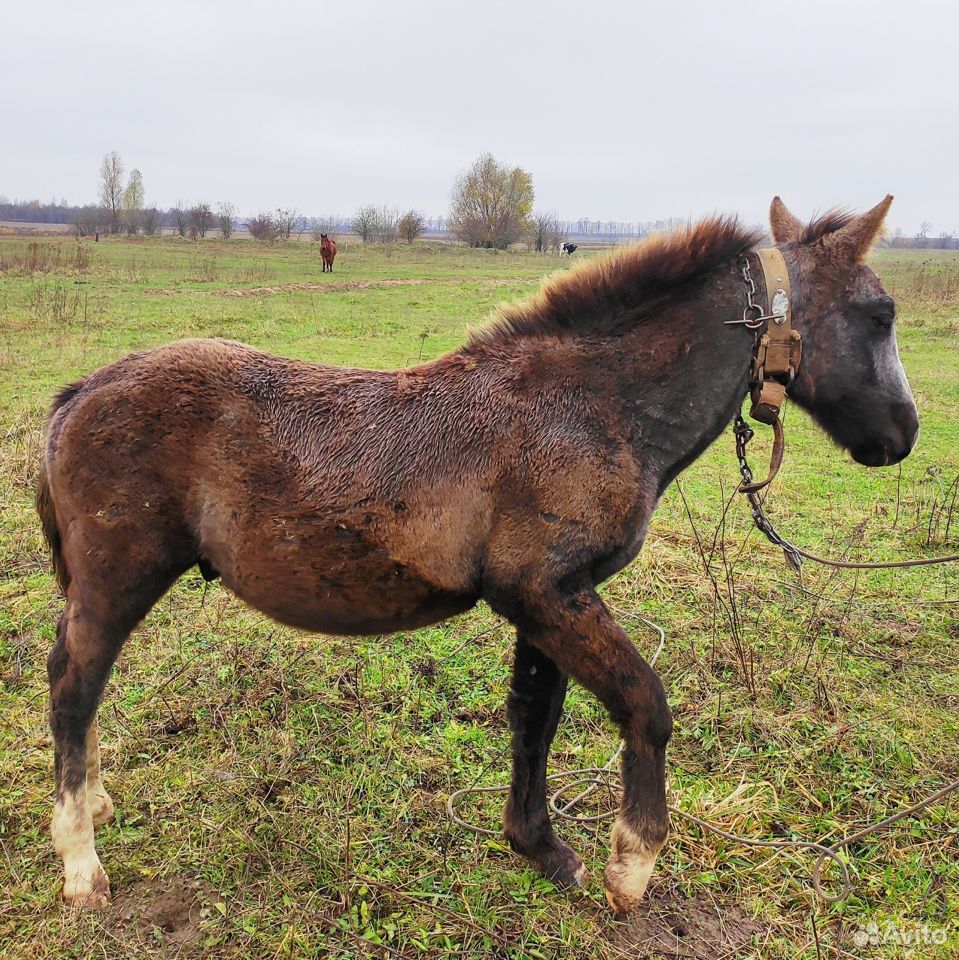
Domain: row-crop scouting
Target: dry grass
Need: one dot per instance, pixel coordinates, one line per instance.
(280, 794)
(24, 260)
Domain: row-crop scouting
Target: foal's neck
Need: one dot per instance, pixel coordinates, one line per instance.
(684, 377)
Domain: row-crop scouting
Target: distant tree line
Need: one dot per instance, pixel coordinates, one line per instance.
(923, 240)
(385, 224)
(491, 205)
(34, 211)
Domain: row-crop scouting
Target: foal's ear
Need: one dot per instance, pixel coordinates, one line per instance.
(785, 227)
(856, 238)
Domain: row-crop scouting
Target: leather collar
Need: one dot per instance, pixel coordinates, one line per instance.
(778, 349)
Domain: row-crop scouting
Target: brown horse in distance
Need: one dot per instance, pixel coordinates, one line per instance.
(327, 251)
(522, 469)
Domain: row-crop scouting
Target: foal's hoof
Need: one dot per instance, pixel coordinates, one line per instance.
(554, 859)
(561, 866)
(569, 874)
(625, 880)
(87, 894)
(580, 876)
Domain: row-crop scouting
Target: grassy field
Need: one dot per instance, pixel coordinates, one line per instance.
(283, 795)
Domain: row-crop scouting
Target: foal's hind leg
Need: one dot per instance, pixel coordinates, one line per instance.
(535, 702)
(575, 630)
(77, 667)
(97, 619)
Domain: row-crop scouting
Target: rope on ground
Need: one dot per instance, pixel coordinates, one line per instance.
(874, 565)
(592, 778)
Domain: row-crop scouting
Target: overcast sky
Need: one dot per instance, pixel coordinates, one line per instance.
(620, 110)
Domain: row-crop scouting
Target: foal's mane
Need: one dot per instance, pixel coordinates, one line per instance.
(607, 295)
(828, 222)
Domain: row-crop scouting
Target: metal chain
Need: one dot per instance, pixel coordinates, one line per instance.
(757, 322)
(744, 433)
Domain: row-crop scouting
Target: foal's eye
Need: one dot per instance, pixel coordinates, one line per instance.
(882, 311)
(880, 308)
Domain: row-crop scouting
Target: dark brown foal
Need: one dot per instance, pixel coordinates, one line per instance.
(522, 469)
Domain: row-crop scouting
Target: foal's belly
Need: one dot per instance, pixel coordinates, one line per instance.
(349, 609)
(341, 588)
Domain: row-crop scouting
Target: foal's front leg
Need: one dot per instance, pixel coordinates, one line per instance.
(577, 633)
(535, 702)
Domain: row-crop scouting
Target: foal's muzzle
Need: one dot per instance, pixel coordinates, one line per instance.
(896, 446)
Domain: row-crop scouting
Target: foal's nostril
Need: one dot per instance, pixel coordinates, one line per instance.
(897, 452)
(873, 455)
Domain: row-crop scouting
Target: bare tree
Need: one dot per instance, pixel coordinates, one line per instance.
(924, 229)
(200, 220)
(387, 220)
(558, 235)
(286, 221)
(151, 221)
(89, 220)
(225, 215)
(180, 219)
(412, 225)
(320, 225)
(364, 223)
(133, 198)
(491, 204)
(111, 187)
(543, 228)
(263, 227)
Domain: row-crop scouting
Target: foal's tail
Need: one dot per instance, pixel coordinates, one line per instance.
(45, 506)
(48, 517)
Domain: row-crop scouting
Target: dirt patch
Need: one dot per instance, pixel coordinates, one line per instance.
(174, 907)
(698, 928)
(332, 287)
(341, 286)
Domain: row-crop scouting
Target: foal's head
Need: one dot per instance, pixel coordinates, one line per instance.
(851, 379)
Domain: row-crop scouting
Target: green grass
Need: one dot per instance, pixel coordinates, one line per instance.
(280, 794)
